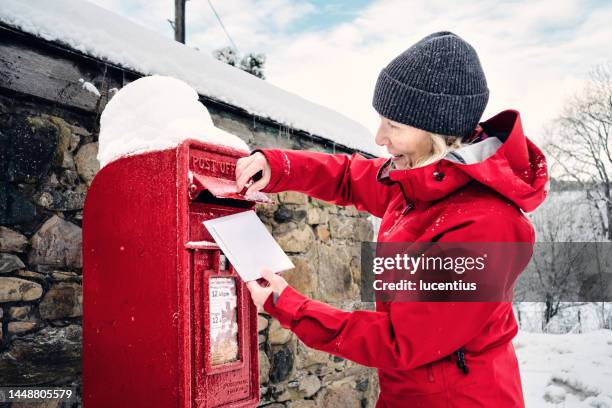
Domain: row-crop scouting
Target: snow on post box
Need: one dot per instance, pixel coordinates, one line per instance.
(167, 322)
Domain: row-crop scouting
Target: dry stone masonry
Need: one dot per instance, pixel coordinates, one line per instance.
(48, 149)
(48, 163)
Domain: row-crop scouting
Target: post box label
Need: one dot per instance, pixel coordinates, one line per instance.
(212, 164)
(223, 320)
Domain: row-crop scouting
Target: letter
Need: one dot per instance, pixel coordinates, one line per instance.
(480, 261)
(406, 258)
(415, 265)
(398, 261)
(459, 262)
(377, 265)
(375, 286)
(436, 261)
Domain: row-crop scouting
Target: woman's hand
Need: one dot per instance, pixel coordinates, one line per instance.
(259, 293)
(247, 167)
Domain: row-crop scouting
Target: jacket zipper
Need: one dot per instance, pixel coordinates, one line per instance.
(408, 207)
(397, 221)
(430, 375)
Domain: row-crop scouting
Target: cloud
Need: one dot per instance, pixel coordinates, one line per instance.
(534, 53)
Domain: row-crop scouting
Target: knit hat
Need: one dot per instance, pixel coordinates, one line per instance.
(436, 85)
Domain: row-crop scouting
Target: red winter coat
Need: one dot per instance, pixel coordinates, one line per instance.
(413, 344)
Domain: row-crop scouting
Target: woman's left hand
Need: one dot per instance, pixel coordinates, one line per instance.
(259, 293)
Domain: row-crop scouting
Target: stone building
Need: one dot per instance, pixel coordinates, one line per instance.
(52, 92)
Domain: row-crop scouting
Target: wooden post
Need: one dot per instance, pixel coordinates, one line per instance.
(179, 20)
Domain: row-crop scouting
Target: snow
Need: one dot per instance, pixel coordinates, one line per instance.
(88, 86)
(572, 317)
(104, 35)
(201, 244)
(155, 113)
(566, 370)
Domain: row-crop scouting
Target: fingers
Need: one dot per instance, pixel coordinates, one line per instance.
(256, 186)
(262, 282)
(257, 285)
(256, 294)
(244, 161)
(262, 181)
(277, 282)
(246, 173)
(241, 164)
(268, 274)
(259, 294)
(252, 285)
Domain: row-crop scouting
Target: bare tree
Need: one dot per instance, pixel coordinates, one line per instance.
(581, 146)
(569, 266)
(554, 275)
(599, 285)
(557, 273)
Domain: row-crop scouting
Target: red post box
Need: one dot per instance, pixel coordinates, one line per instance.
(167, 322)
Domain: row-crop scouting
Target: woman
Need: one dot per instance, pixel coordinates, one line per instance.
(450, 179)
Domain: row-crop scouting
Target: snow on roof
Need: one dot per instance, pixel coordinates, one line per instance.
(102, 34)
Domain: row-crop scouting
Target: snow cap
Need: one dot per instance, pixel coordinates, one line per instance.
(156, 113)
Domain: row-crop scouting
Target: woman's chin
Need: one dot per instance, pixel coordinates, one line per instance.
(400, 164)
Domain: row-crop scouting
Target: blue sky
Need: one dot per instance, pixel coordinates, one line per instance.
(328, 14)
(313, 15)
(536, 54)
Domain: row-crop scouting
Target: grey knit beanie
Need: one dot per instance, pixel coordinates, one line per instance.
(436, 85)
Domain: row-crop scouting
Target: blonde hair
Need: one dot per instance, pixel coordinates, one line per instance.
(441, 145)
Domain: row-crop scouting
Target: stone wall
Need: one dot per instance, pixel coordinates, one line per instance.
(48, 159)
(323, 243)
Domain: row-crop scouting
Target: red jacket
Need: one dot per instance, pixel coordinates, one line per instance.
(413, 344)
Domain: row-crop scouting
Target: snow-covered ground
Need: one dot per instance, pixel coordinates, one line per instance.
(566, 370)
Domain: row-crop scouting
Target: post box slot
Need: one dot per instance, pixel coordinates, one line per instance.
(221, 188)
(206, 197)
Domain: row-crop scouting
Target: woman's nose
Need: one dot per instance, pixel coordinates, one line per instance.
(381, 139)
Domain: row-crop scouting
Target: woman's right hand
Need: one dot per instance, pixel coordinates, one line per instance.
(248, 167)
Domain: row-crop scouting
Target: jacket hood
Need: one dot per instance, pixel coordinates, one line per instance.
(501, 158)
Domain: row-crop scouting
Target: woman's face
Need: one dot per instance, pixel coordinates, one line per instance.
(405, 143)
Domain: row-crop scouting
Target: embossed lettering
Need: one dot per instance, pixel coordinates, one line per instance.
(213, 167)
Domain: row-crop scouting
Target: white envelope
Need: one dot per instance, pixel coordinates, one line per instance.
(248, 245)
